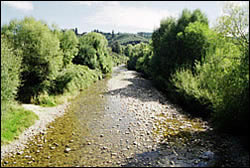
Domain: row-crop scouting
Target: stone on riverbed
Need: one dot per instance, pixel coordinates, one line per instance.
(67, 150)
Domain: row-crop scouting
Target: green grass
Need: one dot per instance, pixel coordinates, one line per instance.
(15, 121)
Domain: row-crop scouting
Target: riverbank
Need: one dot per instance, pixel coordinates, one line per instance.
(46, 115)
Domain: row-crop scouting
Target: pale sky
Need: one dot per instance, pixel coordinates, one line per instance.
(120, 16)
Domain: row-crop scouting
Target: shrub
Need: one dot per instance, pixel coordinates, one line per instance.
(219, 84)
(75, 77)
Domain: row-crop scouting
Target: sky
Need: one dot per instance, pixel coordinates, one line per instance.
(120, 16)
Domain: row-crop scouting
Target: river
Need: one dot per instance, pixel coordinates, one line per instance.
(124, 121)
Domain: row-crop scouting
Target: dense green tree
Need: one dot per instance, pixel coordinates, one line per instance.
(128, 50)
(171, 51)
(93, 52)
(40, 51)
(68, 45)
(10, 73)
(116, 47)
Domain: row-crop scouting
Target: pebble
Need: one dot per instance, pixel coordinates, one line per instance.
(172, 162)
(52, 147)
(207, 155)
(67, 150)
(20, 152)
(104, 147)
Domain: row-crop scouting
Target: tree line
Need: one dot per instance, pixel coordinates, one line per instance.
(39, 62)
(206, 70)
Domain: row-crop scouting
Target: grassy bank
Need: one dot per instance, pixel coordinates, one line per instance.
(15, 121)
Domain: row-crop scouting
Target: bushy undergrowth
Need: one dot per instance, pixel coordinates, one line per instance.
(70, 80)
(220, 84)
(118, 59)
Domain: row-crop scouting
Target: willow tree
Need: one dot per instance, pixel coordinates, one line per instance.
(93, 52)
(41, 58)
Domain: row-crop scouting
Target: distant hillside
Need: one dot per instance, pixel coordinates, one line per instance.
(126, 38)
(122, 38)
(146, 35)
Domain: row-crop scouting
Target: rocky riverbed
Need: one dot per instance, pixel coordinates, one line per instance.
(125, 121)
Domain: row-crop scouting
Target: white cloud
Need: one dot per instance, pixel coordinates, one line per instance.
(22, 5)
(143, 18)
(94, 3)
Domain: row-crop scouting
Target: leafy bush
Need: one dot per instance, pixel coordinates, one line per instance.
(10, 73)
(140, 57)
(75, 77)
(69, 80)
(118, 59)
(219, 83)
(93, 52)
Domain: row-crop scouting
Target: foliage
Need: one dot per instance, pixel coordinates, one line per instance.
(68, 44)
(126, 38)
(116, 47)
(234, 22)
(218, 82)
(175, 43)
(93, 52)
(117, 59)
(69, 80)
(202, 69)
(140, 58)
(10, 73)
(128, 50)
(40, 51)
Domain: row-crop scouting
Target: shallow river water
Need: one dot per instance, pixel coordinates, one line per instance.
(123, 121)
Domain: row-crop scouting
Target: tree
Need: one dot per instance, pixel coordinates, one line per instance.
(128, 50)
(10, 72)
(116, 47)
(93, 52)
(68, 45)
(41, 58)
(235, 23)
